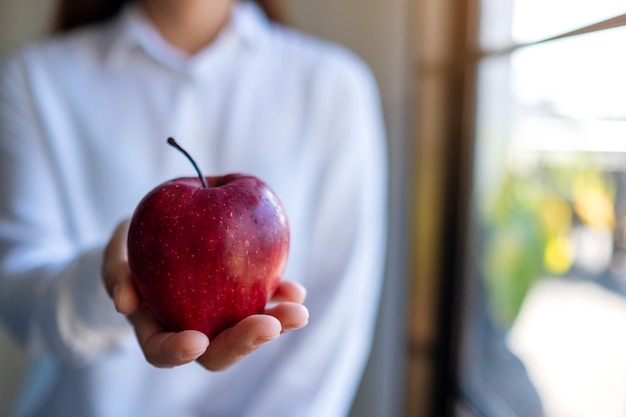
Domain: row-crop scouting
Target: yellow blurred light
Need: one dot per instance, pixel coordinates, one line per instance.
(595, 208)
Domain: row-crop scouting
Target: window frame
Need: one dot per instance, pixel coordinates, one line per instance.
(448, 58)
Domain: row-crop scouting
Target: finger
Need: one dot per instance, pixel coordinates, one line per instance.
(119, 285)
(115, 257)
(125, 296)
(291, 315)
(166, 349)
(116, 272)
(237, 342)
(289, 291)
(118, 280)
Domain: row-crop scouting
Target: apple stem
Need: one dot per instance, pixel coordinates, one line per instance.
(172, 142)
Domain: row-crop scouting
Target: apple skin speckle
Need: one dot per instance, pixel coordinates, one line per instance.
(205, 258)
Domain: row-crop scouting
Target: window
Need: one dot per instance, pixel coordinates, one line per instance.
(543, 287)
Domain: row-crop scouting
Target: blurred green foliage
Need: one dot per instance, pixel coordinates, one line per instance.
(528, 227)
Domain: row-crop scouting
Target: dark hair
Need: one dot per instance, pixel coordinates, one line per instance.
(71, 14)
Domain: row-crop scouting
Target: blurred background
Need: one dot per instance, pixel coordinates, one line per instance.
(506, 277)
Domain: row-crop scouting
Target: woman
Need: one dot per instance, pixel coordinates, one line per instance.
(83, 119)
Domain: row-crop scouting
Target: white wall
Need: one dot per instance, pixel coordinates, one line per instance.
(22, 19)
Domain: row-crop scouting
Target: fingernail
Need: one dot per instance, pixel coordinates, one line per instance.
(197, 344)
(191, 355)
(297, 325)
(263, 340)
(293, 326)
(288, 327)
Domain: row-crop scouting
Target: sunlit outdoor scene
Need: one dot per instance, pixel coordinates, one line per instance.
(551, 198)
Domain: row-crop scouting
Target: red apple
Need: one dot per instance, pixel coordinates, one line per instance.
(207, 252)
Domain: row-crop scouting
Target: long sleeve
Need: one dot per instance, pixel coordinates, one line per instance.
(51, 297)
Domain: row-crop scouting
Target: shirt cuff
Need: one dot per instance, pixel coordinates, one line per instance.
(88, 323)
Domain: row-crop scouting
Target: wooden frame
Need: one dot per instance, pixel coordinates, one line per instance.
(447, 36)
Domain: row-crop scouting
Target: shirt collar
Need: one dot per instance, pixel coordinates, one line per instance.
(247, 28)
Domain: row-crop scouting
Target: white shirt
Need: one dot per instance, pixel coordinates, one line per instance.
(83, 123)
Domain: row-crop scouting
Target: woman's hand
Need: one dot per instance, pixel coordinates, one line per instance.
(166, 349)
